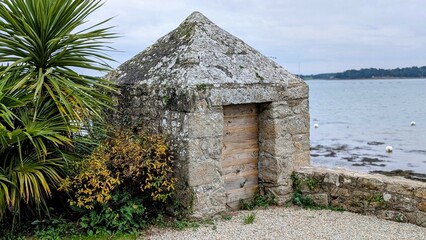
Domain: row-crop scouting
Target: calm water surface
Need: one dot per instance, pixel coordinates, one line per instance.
(357, 119)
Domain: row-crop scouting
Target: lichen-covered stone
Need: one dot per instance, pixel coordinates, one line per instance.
(422, 206)
(320, 199)
(199, 52)
(178, 87)
(208, 199)
(390, 198)
(371, 183)
(203, 173)
(332, 178)
(420, 192)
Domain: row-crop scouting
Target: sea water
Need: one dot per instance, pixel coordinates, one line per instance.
(357, 119)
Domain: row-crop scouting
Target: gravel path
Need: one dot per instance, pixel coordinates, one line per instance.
(293, 223)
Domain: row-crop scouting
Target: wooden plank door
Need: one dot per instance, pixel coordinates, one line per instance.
(240, 152)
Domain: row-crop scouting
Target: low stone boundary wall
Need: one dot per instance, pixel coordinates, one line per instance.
(392, 198)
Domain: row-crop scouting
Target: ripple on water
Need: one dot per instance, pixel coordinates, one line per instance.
(375, 143)
(417, 151)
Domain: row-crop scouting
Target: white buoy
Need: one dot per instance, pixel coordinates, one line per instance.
(389, 149)
(316, 125)
(413, 123)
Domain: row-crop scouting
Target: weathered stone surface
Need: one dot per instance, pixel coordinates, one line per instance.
(349, 181)
(340, 192)
(301, 142)
(268, 172)
(278, 110)
(360, 195)
(371, 183)
(208, 200)
(242, 94)
(269, 130)
(282, 193)
(332, 178)
(199, 52)
(179, 87)
(296, 124)
(280, 147)
(391, 198)
(300, 159)
(406, 204)
(392, 215)
(320, 199)
(298, 91)
(200, 149)
(302, 106)
(420, 192)
(422, 206)
(421, 218)
(199, 125)
(204, 173)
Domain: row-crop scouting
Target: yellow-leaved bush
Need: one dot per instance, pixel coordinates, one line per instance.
(144, 163)
(91, 183)
(140, 165)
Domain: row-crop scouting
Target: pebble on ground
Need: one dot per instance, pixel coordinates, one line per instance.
(295, 223)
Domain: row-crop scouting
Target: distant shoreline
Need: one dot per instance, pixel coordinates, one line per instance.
(372, 73)
(349, 79)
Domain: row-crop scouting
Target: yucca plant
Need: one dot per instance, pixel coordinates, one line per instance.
(44, 98)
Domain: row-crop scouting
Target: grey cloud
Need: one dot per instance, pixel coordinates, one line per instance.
(317, 35)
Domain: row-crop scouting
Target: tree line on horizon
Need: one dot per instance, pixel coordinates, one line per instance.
(370, 73)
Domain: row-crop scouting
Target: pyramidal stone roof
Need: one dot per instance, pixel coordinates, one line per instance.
(199, 52)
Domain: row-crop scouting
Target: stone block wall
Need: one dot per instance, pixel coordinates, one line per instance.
(179, 86)
(391, 198)
(192, 119)
(284, 140)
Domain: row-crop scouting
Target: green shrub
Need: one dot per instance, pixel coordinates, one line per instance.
(298, 198)
(123, 213)
(258, 201)
(303, 201)
(54, 228)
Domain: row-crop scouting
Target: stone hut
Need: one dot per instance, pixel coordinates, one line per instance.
(237, 121)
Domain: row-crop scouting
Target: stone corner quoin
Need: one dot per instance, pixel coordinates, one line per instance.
(180, 87)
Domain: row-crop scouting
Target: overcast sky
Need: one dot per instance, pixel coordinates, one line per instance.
(304, 36)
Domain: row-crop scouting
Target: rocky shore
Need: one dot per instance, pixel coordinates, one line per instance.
(355, 158)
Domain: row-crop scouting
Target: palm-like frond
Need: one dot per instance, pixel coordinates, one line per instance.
(32, 156)
(44, 100)
(5, 184)
(35, 130)
(31, 179)
(46, 46)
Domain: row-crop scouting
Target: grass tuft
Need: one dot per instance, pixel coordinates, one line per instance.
(249, 219)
